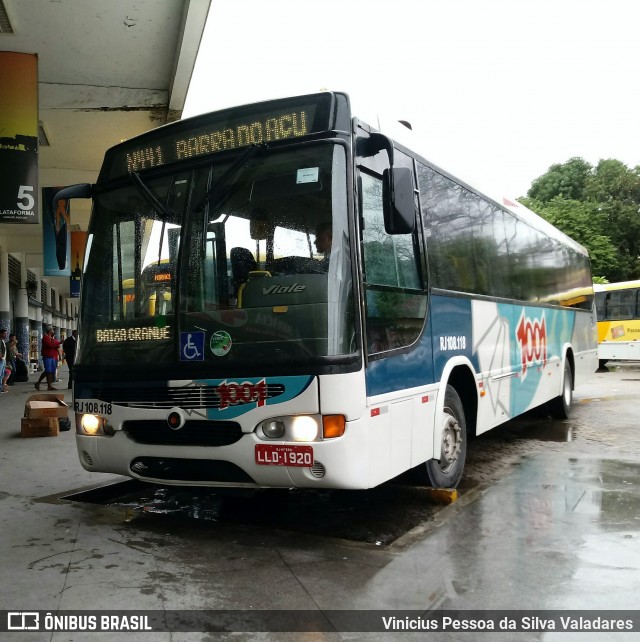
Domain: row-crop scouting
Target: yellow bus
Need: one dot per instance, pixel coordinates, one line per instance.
(618, 309)
(156, 287)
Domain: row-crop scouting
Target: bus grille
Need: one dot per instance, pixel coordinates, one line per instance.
(191, 470)
(193, 433)
(164, 398)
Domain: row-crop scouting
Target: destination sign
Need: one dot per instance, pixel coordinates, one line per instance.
(122, 335)
(240, 135)
(220, 131)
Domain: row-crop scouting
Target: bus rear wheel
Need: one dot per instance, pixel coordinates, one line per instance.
(447, 471)
(560, 407)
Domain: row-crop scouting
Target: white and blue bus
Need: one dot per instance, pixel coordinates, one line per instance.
(435, 314)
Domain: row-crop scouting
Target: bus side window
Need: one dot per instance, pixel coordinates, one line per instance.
(394, 316)
(620, 304)
(600, 305)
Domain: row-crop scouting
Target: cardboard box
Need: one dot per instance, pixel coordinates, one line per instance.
(42, 427)
(46, 405)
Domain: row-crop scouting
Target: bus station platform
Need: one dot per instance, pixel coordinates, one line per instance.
(561, 531)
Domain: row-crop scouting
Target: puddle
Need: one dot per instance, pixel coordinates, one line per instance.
(378, 516)
(556, 431)
(534, 427)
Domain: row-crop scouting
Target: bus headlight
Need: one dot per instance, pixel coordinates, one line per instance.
(91, 424)
(304, 428)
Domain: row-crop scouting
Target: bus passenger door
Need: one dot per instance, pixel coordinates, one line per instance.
(398, 352)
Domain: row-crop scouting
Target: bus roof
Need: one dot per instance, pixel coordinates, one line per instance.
(405, 136)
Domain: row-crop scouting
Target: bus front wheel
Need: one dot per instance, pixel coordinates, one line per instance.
(447, 471)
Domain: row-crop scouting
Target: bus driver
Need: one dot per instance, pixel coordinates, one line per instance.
(324, 238)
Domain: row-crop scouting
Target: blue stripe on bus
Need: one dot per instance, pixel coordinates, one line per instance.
(452, 331)
(449, 319)
(401, 371)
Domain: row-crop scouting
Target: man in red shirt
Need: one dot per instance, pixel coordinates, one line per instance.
(50, 352)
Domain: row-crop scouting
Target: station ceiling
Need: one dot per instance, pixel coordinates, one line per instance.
(108, 70)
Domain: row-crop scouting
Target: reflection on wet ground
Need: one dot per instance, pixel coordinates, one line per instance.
(540, 430)
(377, 516)
(619, 366)
(606, 490)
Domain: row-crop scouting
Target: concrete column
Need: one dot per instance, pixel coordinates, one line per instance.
(22, 313)
(5, 304)
(72, 302)
(35, 327)
(22, 323)
(35, 324)
(47, 317)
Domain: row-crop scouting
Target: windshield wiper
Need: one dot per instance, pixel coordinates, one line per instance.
(148, 194)
(155, 203)
(219, 189)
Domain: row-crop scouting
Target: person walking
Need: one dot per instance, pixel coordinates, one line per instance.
(69, 349)
(12, 357)
(50, 351)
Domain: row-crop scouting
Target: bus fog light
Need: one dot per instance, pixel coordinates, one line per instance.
(91, 424)
(304, 429)
(273, 428)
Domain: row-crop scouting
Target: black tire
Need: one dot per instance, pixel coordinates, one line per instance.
(447, 472)
(560, 407)
(64, 423)
(602, 363)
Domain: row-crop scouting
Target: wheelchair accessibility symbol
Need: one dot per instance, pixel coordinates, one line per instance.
(192, 346)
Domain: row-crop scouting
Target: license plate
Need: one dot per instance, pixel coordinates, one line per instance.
(267, 455)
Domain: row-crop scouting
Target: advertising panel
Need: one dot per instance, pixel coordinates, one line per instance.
(18, 137)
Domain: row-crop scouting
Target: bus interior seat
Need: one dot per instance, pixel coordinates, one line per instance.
(297, 265)
(287, 290)
(242, 262)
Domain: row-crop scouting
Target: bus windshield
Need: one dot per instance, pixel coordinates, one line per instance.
(238, 262)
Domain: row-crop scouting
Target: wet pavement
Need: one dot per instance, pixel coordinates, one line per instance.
(359, 516)
(549, 518)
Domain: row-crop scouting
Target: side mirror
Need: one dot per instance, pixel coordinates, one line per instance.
(82, 190)
(398, 199)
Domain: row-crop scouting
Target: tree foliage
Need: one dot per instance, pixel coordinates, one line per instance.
(567, 180)
(597, 206)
